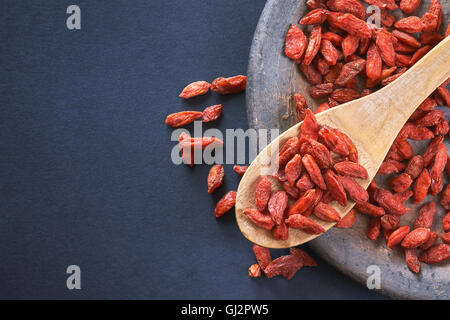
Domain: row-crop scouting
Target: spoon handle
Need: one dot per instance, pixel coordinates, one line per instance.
(378, 121)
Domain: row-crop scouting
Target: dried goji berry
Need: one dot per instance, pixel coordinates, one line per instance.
(390, 166)
(374, 229)
(354, 189)
(430, 38)
(324, 106)
(436, 172)
(316, 198)
(431, 151)
(430, 22)
(321, 90)
(419, 54)
(328, 51)
(314, 171)
(442, 127)
(421, 186)
(349, 45)
(240, 170)
(314, 4)
(315, 16)
(369, 209)
(388, 202)
(349, 23)
(320, 154)
(348, 6)
(347, 221)
(229, 85)
(311, 74)
(343, 95)
(446, 222)
(352, 169)
(386, 48)
(415, 166)
(417, 132)
(445, 237)
(410, 24)
(215, 177)
(195, 89)
(390, 221)
(302, 204)
(416, 238)
(254, 271)
(297, 221)
(259, 219)
(182, 118)
(436, 254)
(326, 213)
(404, 48)
(335, 187)
(313, 47)
(401, 183)
(225, 204)
(212, 113)
(293, 169)
(333, 141)
(289, 149)
(349, 71)
(286, 266)
(291, 190)
(295, 43)
(321, 65)
(309, 128)
(402, 197)
(445, 95)
(397, 236)
(425, 216)
(262, 193)
(412, 260)
(304, 183)
(409, 6)
(374, 63)
(277, 205)
(262, 256)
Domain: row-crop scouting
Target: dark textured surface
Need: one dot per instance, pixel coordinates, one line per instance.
(86, 176)
(269, 105)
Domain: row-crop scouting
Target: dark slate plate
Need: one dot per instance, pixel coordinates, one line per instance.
(272, 79)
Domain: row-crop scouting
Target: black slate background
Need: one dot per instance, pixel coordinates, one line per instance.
(86, 176)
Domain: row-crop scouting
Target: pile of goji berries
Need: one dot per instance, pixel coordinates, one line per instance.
(315, 168)
(343, 52)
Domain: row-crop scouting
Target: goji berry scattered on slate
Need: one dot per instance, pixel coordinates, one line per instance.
(195, 89)
(215, 177)
(229, 85)
(225, 204)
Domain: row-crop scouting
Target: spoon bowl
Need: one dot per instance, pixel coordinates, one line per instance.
(372, 122)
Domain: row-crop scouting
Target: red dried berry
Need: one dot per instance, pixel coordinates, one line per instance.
(212, 113)
(416, 238)
(295, 43)
(182, 118)
(425, 216)
(436, 254)
(259, 219)
(397, 236)
(262, 193)
(215, 177)
(297, 221)
(347, 221)
(195, 89)
(412, 260)
(240, 170)
(326, 213)
(229, 85)
(225, 204)
(277, 205)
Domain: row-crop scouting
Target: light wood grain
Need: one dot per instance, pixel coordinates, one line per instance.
(372, 123)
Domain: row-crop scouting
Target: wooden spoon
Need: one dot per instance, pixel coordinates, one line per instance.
(372, 122)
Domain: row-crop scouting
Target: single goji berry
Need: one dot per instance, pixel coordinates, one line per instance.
(348, 6)
(397, 236)
(182, 118)
(416, 238)
(349, 23)
(436, 172)
(430, 22)
(311, 74)
(389, 203)
(254, 271)
(212, 113)
(335, 187)
(401, 183)
(349, 71)
(436, 254)
(262, 256)
(349, 45)
(369, 209)
(293, 169)
(320, 154)
(374, 229)
(195, 89)
(326, 213)
(353, 189)
(304, 183)
(259, 219)
(352, 169)
(406, 39)
(313, 170)
(425, 216)
(374, 63)
(262, 193)
(410, 24)
(229, 85)
(386, 48)
(240, 170)
(333, 141)
(215, 177)
(313, 47)
(285, 266)
(225, 204)
(321, 65)
(343, 95)
(419, 54)
(412, 260)
(295, 43)
(421, 186)
(409, 6)
(390, 221)
(328, 51)
(302, 204)
(297, 221)
(315, 16)
(309, 128)
(277, 205)
(430, 38)
(289, 149)
(445, 95)
(414, 166)
(321, 90)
